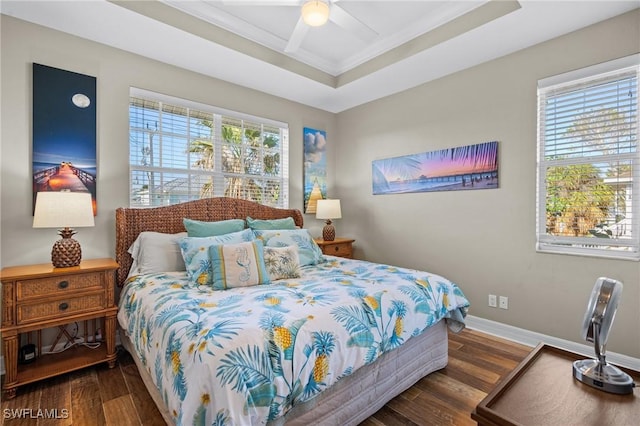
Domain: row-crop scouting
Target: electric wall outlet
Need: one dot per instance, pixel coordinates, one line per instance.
(493, 300)
(504, 302)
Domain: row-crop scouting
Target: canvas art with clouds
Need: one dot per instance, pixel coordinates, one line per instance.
(315, 168)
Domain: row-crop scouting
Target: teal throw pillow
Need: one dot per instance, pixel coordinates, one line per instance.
(271, 224)
(198, 228)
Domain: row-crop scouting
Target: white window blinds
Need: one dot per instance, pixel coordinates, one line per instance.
(181, 151)
(588, 168)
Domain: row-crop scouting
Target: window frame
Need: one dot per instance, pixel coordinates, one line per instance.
(217, 175)
(585, 78)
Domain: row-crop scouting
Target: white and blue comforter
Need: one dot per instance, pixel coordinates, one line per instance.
(248, 355)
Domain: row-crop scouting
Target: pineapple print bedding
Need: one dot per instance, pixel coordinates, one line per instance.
(248, 355)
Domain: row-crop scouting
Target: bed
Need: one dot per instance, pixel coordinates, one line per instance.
(330, 346)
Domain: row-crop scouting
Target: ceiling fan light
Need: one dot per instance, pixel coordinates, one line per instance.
(315, 13)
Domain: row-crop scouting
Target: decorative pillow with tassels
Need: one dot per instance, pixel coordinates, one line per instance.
(238, 265)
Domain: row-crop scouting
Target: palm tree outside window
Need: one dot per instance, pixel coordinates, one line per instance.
(181, 151)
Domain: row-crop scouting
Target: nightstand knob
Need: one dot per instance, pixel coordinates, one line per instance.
(63, 306)
(336, 248)
(63, 284)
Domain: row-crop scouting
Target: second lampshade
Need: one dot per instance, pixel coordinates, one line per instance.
(328, 210)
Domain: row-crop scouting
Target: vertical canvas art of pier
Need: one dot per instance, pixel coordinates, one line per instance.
(64, 132)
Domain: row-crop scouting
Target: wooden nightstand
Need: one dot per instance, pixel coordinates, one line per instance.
(339, 247)
(35, 297)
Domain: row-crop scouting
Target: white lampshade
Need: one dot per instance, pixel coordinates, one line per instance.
(315, 13)
(63, 210)
(328, 209)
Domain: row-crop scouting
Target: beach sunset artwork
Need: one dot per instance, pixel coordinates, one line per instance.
(452, 169)
(64, 132)
(315, 168)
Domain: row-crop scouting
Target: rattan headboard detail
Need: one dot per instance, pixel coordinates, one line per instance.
(168, 219)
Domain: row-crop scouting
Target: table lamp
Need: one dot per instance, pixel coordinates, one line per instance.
(328, 209)
(64, 210)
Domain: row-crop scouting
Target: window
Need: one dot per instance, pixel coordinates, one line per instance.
(588, 168)
(181, 151)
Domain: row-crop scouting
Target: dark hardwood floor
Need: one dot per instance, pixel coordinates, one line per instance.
(117, 397)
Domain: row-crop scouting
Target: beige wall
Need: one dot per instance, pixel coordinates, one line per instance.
(484, 240)
(116, 71)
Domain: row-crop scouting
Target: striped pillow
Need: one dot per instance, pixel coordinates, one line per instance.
(238, 265)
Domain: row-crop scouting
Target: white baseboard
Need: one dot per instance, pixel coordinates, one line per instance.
(531, 338)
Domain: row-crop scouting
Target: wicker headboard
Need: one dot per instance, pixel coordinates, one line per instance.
(131, 221)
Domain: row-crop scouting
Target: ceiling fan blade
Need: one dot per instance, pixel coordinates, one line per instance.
(344, 19)
(298, 34)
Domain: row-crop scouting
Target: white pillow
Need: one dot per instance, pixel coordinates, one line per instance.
(154, 252)
(282, 262)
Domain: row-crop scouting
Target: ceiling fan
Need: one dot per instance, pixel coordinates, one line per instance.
(598, 319)
(336, 14)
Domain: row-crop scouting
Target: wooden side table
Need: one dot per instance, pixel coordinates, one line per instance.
(542, 391)
(342, 247)
(35, 297)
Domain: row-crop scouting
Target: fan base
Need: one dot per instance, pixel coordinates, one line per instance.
(605, 377)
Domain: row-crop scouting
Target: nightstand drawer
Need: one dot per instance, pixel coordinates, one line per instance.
(341, 247)
(342, 250)
(57, 286)
(61, 307)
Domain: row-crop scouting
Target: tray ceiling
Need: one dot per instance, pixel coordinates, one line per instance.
(368, 49)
